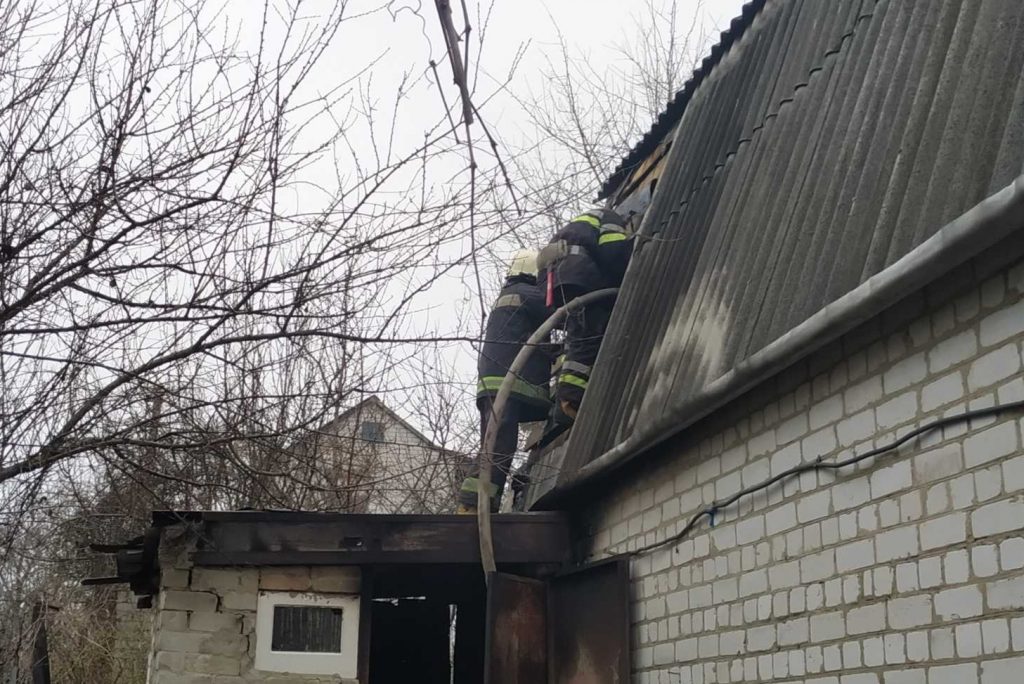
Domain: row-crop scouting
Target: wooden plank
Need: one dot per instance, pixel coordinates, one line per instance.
(268, 540)
(516, 640)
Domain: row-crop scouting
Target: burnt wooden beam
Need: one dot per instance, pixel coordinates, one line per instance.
(285, 538)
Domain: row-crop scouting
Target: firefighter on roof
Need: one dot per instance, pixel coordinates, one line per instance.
(589, 253)
(518, 311)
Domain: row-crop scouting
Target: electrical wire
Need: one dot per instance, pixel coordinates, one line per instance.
(820, 464)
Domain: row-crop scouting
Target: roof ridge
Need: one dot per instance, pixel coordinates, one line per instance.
(673, 111)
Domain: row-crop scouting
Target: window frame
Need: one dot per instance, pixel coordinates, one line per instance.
(344, 664)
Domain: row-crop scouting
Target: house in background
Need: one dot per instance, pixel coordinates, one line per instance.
(370, 460)
(832, 258)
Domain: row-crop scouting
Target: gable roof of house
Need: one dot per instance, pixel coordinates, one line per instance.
(838, 156)
(373, 401)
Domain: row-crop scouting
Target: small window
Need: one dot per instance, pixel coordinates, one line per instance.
(307, 629)
(314, 634)
(371, 431)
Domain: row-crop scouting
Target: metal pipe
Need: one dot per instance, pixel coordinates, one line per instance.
(483, 498)
(981, 227)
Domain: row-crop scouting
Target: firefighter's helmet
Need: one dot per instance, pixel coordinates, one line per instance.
(523, 263)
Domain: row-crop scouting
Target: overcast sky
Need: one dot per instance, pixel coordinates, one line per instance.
(592, 28)
(406, 36)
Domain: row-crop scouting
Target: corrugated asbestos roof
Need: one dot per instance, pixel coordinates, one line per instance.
(830, 139)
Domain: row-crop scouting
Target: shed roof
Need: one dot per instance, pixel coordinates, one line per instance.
(829, 142)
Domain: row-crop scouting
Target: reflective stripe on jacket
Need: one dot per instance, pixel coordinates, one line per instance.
(518, 311)
(589, 253)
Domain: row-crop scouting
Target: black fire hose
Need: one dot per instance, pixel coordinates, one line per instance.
(483, 497)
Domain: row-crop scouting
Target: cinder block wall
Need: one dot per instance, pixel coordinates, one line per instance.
(907, 570)
(204, 630)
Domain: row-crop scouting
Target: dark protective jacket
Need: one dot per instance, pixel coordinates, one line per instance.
(589, 253)
(516, 314)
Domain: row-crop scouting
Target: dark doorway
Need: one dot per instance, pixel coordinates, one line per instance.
(409, 641)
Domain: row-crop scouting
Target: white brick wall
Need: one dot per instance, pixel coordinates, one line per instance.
(908, 569)
(204, 627)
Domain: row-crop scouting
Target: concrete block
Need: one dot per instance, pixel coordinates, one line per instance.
(897, 411)
(173, 620)
(863, 394)
(817, 567)
(819, 444)
(895, 649)
(929, 572)
(874, 651)
(942, 392)
(994, 443)
(780, 519)
(220, 580)
(853, 493)
(957, 566)
(750, 530)
(866, 619)
(1003, 324)
(910, 612)
(1011, 554)
(239, 600)
(793, 632)
(901, 542)
(1013, 474)
(988, 483)
(937, 499)
(753, 583)
(856, 555)
(1006, 593)
(1001, 671)
(905, 677)
(856, 428)
(792, 429)
(285, 579)
(961, 492)
(889, 480)
(784, 575)
(1017, 633)
(833, 658)
(762, 443)
(785, 458)
(998, 517)
(814, 506)
(173, 578)
(938, 464)
(826, 412)
(904, 373)
(968, 640)
(685, 650)
(215, 622)
(953, 674)
(906, 578)
(179, 642)
(953, 350)
(945, 531)
(995, 636)
(941, 644)
(960, 603)
(993, 368)
(910, 506)
(985, 560)
(187, 600)
(828, 626)
(917, 646)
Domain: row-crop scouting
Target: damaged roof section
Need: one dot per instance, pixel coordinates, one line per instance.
(828, 142)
